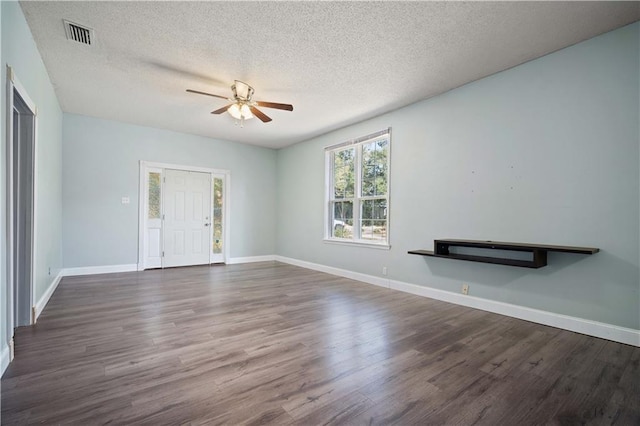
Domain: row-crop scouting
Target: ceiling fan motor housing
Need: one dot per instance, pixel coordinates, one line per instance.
(242, 91)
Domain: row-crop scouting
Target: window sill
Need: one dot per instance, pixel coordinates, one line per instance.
(357, 244)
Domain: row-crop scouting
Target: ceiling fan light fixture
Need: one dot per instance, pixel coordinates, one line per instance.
(234, 110)
(240, 111)
(246, 112)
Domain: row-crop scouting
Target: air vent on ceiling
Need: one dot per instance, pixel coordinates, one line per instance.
(78, 33)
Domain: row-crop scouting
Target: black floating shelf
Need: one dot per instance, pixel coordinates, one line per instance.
(539, 252)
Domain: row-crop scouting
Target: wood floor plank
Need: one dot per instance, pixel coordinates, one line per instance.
(269, 343)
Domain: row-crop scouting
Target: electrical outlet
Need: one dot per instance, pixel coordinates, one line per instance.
(465, 288)
(384, 270)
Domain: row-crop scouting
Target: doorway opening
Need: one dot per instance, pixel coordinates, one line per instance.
(184, 216)
(21, 153)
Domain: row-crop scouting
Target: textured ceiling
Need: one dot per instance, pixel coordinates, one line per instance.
(336, 62)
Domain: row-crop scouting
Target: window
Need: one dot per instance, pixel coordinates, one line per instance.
(154, 195)
(218, 185)
(357, 200)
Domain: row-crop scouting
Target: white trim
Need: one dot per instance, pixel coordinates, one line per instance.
(358, 243)
(5, 358)
(133, 267)
(250, 259)
(327, 228)
(11, 76)
(13, 84)
(367, 138)
(42, 303)
(34, 212)
(142, 223)
(226, 228)
(602, 330)
(183, 167)
(93, 270)
(370, 279)
(9, 207)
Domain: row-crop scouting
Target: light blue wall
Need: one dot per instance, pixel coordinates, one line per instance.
(546, 152)
(20, 52)
(101, 165)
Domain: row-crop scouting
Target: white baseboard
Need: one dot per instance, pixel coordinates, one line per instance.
(251, 259)
(5, 358)
(616, 333)
(109, 269)
(92, 270)
(370, 279)
(602, 330)
(46, 296)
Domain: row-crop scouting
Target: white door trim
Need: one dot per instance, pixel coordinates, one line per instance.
(13, 84)
(144, 166)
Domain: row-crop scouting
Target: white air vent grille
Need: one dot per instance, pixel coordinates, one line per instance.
(78, 33)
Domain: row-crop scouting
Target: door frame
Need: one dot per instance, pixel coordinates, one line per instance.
(142, 192)
(14, 85)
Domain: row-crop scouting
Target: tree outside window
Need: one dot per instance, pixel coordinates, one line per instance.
(358, 193)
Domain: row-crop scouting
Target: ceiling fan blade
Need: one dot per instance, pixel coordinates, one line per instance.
(275, 105)
(221, 110)
(207, 94)
(261, 115)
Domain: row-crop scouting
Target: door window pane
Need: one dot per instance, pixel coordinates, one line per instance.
(154, 195)
(217, 214)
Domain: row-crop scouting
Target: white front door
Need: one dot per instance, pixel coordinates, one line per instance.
(187, 222)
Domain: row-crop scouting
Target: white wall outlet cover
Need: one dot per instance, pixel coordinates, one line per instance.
(125, 200)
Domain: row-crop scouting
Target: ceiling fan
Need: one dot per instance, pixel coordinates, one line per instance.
(242, 106)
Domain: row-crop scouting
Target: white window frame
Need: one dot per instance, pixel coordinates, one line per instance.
(328, 198)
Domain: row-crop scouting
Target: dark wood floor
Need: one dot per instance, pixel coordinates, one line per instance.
(273, 343)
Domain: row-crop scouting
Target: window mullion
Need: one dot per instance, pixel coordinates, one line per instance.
(358, 194)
